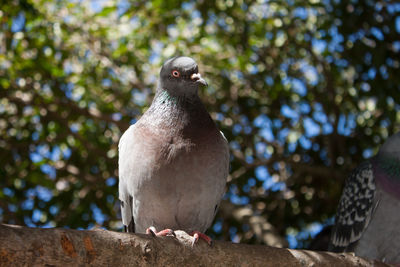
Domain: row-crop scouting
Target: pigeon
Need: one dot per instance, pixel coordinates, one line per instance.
(368, 216)
(173, 162)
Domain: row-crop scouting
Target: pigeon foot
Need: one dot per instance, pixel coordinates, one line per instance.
(166, 232)
(198, 235)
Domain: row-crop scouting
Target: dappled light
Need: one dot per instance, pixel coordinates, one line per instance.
(303, 91)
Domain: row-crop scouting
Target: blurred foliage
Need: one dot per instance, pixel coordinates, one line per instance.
(303, 90)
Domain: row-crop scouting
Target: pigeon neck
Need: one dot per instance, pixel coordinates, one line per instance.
(183, 115)
(387, 170)
(179, 101)
(165, 95)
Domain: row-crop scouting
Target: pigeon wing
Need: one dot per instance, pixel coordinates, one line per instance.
(355, 209)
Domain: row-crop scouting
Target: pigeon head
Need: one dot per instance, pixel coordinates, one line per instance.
(180, 76)
(391, 147)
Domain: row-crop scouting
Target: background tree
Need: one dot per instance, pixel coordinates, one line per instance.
(303, 90)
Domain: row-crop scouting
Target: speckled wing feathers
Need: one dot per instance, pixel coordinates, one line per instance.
(355, 208)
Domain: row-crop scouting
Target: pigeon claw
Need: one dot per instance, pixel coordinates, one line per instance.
(198, 235)
(151, 231)
(166, 232)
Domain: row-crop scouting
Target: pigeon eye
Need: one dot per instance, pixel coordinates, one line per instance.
(176, 73)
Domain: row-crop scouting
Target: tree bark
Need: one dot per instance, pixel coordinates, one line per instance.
(23, 246)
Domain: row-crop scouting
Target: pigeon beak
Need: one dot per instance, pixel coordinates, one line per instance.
(196, 77)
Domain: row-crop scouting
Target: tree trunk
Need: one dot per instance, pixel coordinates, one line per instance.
(23, 246)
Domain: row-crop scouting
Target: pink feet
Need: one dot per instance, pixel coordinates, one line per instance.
(197, 235)
(166, 232)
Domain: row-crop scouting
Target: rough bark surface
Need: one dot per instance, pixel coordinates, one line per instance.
(23, 246)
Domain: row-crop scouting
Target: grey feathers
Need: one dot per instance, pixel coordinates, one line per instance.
(368, 218)
(173, 162)
(355, 207)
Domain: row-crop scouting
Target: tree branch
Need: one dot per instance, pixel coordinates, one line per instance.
(23, 246)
